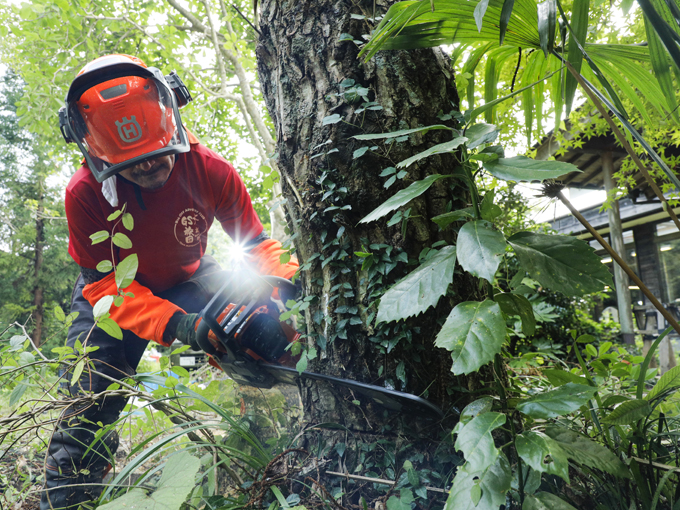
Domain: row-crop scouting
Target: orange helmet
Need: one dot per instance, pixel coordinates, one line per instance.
(121, 112)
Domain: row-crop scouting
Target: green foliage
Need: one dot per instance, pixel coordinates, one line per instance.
(474, 332)
(481, 248)
(564, 264)
(421, 289)
(172, 490)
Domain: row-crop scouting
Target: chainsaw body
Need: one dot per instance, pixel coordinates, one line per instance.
(253, 348)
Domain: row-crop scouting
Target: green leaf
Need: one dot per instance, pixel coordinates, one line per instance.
(547, 18)
(17, 393)
(114, 215)
(331, 119)
(668, 381)
(480, 249)
(444, 220)
(561, 263)
(578, 33)
(545, 501)
(59, 313)
(403, 502)
(542, 454)
(420, 289)
(105, 266)
(476, 442)
(102, 306)
(122, 241)
(480, 406)
(99, 237)
(557, 402)
(77, 371)
(561, 377)
(629, 412)
(495, 482)
(403, 197)
(488, 210)
(126, 271)
(523, 169)
(474, 332)
(480, 11)
(111, 328)
(403, 132)
(587, 452)
(440, 148)
(479, 134)
(514, 304)
(174, 487)
(128, 221)
(506, 12)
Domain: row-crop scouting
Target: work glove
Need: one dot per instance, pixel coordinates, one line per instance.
(292, 291)
(185, 330)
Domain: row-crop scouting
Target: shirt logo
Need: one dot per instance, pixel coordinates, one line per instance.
(190, 225)
(128, 129)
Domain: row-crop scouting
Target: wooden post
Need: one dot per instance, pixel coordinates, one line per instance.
(648, 269)
(616, 236)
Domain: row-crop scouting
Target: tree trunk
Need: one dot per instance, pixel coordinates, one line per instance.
(302, 63)
(38, 290)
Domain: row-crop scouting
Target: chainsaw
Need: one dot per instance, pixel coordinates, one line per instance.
(241, 332)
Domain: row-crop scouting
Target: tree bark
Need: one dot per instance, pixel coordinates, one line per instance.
(302, 62)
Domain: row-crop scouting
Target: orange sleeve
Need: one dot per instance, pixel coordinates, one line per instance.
(145, 315)
(266, 259)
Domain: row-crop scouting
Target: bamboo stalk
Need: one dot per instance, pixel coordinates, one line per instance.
(622, 139)
(631, 274)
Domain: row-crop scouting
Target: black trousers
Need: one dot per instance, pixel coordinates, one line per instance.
(77, 455)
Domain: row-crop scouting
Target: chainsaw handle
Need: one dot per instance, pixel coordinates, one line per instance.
(246, 296)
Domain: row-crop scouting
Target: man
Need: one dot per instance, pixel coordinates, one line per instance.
(125, 118)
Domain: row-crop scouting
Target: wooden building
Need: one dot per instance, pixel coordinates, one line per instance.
(638, 229)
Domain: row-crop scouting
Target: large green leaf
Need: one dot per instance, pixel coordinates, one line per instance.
(587, 452)
(547, 18)
(479, 134)
(542, 454)
(557, 402)
(514, 304)
(480, 249)
(174, 487)
(494, 483)
(444, 220)
(578, 33)
(523, 169)
(440, 148)
(476, 442)
(629, 411)
(668, 382)
(472, 410)
(474, 332)
(403, 132)
(403, 197)
(563, 264)
(559, 377)
(421, 289)
(545, 501)
(126, 271)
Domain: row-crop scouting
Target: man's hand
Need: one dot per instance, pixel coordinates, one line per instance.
(185, 330)
(184, 327)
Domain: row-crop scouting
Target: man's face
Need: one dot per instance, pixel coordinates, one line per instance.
(150, 174)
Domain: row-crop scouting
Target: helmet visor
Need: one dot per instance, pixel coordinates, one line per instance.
(124, 121)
